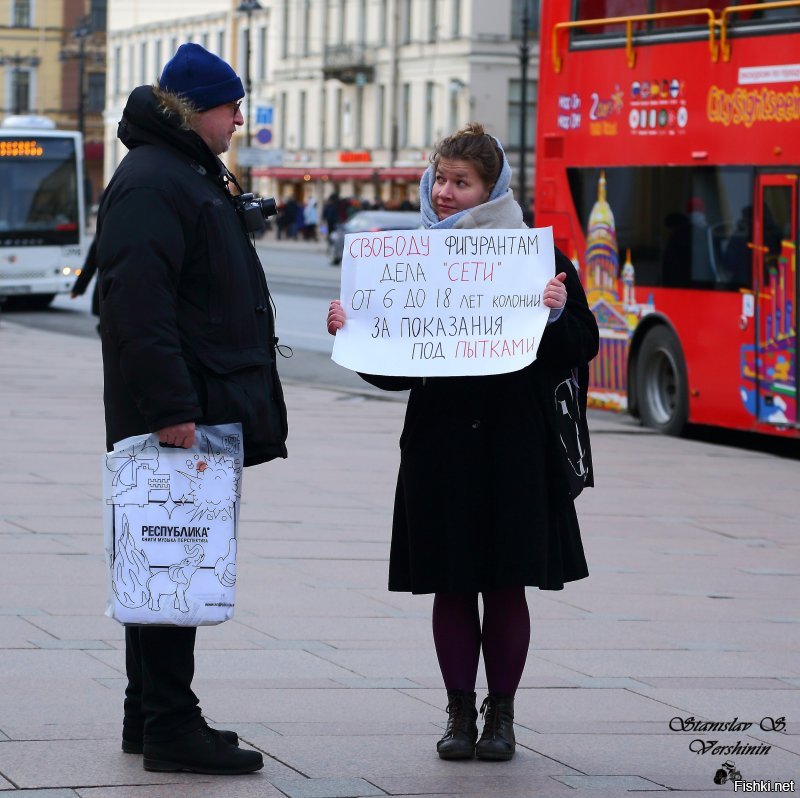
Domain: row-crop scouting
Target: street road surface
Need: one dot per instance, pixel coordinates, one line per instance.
(303, 282)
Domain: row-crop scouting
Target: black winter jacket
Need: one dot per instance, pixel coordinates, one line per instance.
(482, 499)
(186, 321)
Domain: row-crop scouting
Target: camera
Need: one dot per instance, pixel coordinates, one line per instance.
(255, 211)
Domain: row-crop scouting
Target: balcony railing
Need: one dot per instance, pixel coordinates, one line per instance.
(349, 63)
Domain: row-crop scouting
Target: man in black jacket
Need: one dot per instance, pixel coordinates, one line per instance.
(188, 337)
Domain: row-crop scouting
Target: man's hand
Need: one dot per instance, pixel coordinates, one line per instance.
(178, 435)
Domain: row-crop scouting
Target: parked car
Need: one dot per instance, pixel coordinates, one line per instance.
(370, 222)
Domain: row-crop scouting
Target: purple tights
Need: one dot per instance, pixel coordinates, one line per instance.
(504, 637)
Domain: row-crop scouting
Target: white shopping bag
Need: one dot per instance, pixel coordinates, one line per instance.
(170, 520)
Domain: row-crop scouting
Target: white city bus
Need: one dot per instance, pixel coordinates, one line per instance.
(42, 210)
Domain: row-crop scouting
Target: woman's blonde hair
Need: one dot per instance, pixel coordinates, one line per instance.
(472, 143)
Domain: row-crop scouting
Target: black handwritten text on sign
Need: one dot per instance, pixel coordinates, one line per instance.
(424, 303)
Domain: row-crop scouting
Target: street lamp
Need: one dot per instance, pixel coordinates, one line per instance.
(248, 7)
(82, 31)
(524, 58)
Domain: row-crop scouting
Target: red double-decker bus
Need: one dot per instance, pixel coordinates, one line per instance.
(668, 155)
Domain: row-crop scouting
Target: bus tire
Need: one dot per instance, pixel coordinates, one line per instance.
(30, 301)
(661, 385)
(37, 301)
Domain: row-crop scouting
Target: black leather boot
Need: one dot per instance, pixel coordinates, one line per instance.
(201, 751)
(497, 739)
(462, 728)
(134, 745)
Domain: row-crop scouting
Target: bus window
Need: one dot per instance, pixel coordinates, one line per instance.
(663, 6)
(602, 9)
(789, 12)
(685, 227)
(40, 191)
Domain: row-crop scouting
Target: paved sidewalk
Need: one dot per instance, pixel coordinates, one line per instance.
(691, 611)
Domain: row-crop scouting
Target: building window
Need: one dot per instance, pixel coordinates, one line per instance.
(204, 40)
(337, 141)
(301, 122)
(342, 27)
(131, 73)
(433, 20)
(384, 15)
(407, 21)
(406, 115)
(22, 14)
(380, 120)
(118, 70)
(221, 43)
(359, 132)
(143, 64)
(157, 56)
(96, 96)
(20, 90)
(282, 121)
(362, 22)
(455, 89)
(321, 116)
(429, 89)
(455, 23)
(515, 114)
(306, 27)
(98, 15)
(261, 56)
(517, 9)
(285, 32)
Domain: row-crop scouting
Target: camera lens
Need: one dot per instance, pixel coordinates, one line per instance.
(269, 207)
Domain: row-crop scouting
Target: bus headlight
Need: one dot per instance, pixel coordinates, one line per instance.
(66, 271)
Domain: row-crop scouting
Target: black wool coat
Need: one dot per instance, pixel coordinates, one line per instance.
(185, 313)
(482, 501)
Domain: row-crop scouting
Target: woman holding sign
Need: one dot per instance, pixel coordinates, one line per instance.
(484, 504)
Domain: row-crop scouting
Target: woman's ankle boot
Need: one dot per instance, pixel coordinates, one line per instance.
(462, 728)
(497, 740)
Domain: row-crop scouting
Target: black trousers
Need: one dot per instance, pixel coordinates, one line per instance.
(159, 701)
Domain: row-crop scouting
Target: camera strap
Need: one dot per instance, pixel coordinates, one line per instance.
(229, 177)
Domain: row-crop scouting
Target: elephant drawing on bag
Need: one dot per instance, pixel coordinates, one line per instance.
(175, 580)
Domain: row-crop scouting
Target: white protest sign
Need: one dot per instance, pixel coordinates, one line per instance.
(443, 303)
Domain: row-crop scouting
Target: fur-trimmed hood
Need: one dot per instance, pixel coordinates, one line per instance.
(156, 117)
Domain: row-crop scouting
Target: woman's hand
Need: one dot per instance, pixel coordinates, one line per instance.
(336, 316)
(555, 292)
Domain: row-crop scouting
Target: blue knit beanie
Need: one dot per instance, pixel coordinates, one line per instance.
(200, 77)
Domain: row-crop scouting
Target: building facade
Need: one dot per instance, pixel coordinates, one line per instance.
(52, 63)
(345, 96)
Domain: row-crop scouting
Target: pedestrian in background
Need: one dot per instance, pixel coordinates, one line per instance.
(310, 218)
(290, 210)
(330, 213)
(188, 338)
(482, 503)
(85, 277)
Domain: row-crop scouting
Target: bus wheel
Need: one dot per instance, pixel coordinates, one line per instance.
(33, 301)
(661, 385)
(29, 301)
